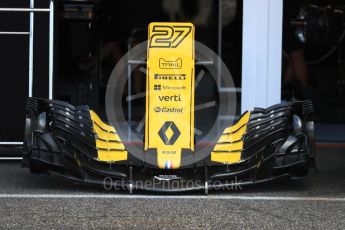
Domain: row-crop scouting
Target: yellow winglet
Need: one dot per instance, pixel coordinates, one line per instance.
(230, 144)
(95, 118)
(108, 143)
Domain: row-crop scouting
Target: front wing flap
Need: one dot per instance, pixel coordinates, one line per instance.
(263, 145)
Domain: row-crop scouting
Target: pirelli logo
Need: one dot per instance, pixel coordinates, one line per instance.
(171, 77)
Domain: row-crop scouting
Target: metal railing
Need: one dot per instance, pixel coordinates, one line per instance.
(32, 10)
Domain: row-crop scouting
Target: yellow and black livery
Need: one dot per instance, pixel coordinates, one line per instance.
(262, 145)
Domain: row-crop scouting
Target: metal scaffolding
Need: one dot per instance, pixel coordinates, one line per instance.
(32, 10)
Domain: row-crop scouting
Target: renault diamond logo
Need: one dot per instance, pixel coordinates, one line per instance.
(169, 133)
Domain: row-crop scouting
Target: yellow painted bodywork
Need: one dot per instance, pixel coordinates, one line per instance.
(108, 143)
(170, 86)
(170, 98)
(230, 145)
(226, 157)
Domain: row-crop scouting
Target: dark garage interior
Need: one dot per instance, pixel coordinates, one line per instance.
(84, 32)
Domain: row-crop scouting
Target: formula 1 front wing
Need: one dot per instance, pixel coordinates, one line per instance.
(263, 145)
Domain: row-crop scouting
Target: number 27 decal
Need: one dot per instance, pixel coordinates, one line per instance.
(168, 36)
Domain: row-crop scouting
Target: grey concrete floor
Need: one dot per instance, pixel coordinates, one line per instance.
(318, 201)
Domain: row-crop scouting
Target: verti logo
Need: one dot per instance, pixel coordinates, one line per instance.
(170, 98)
(168, 36)
(169, 133)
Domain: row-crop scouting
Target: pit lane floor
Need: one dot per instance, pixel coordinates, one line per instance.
(318, 201)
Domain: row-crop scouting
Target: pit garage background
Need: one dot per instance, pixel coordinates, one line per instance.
(252, 37)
